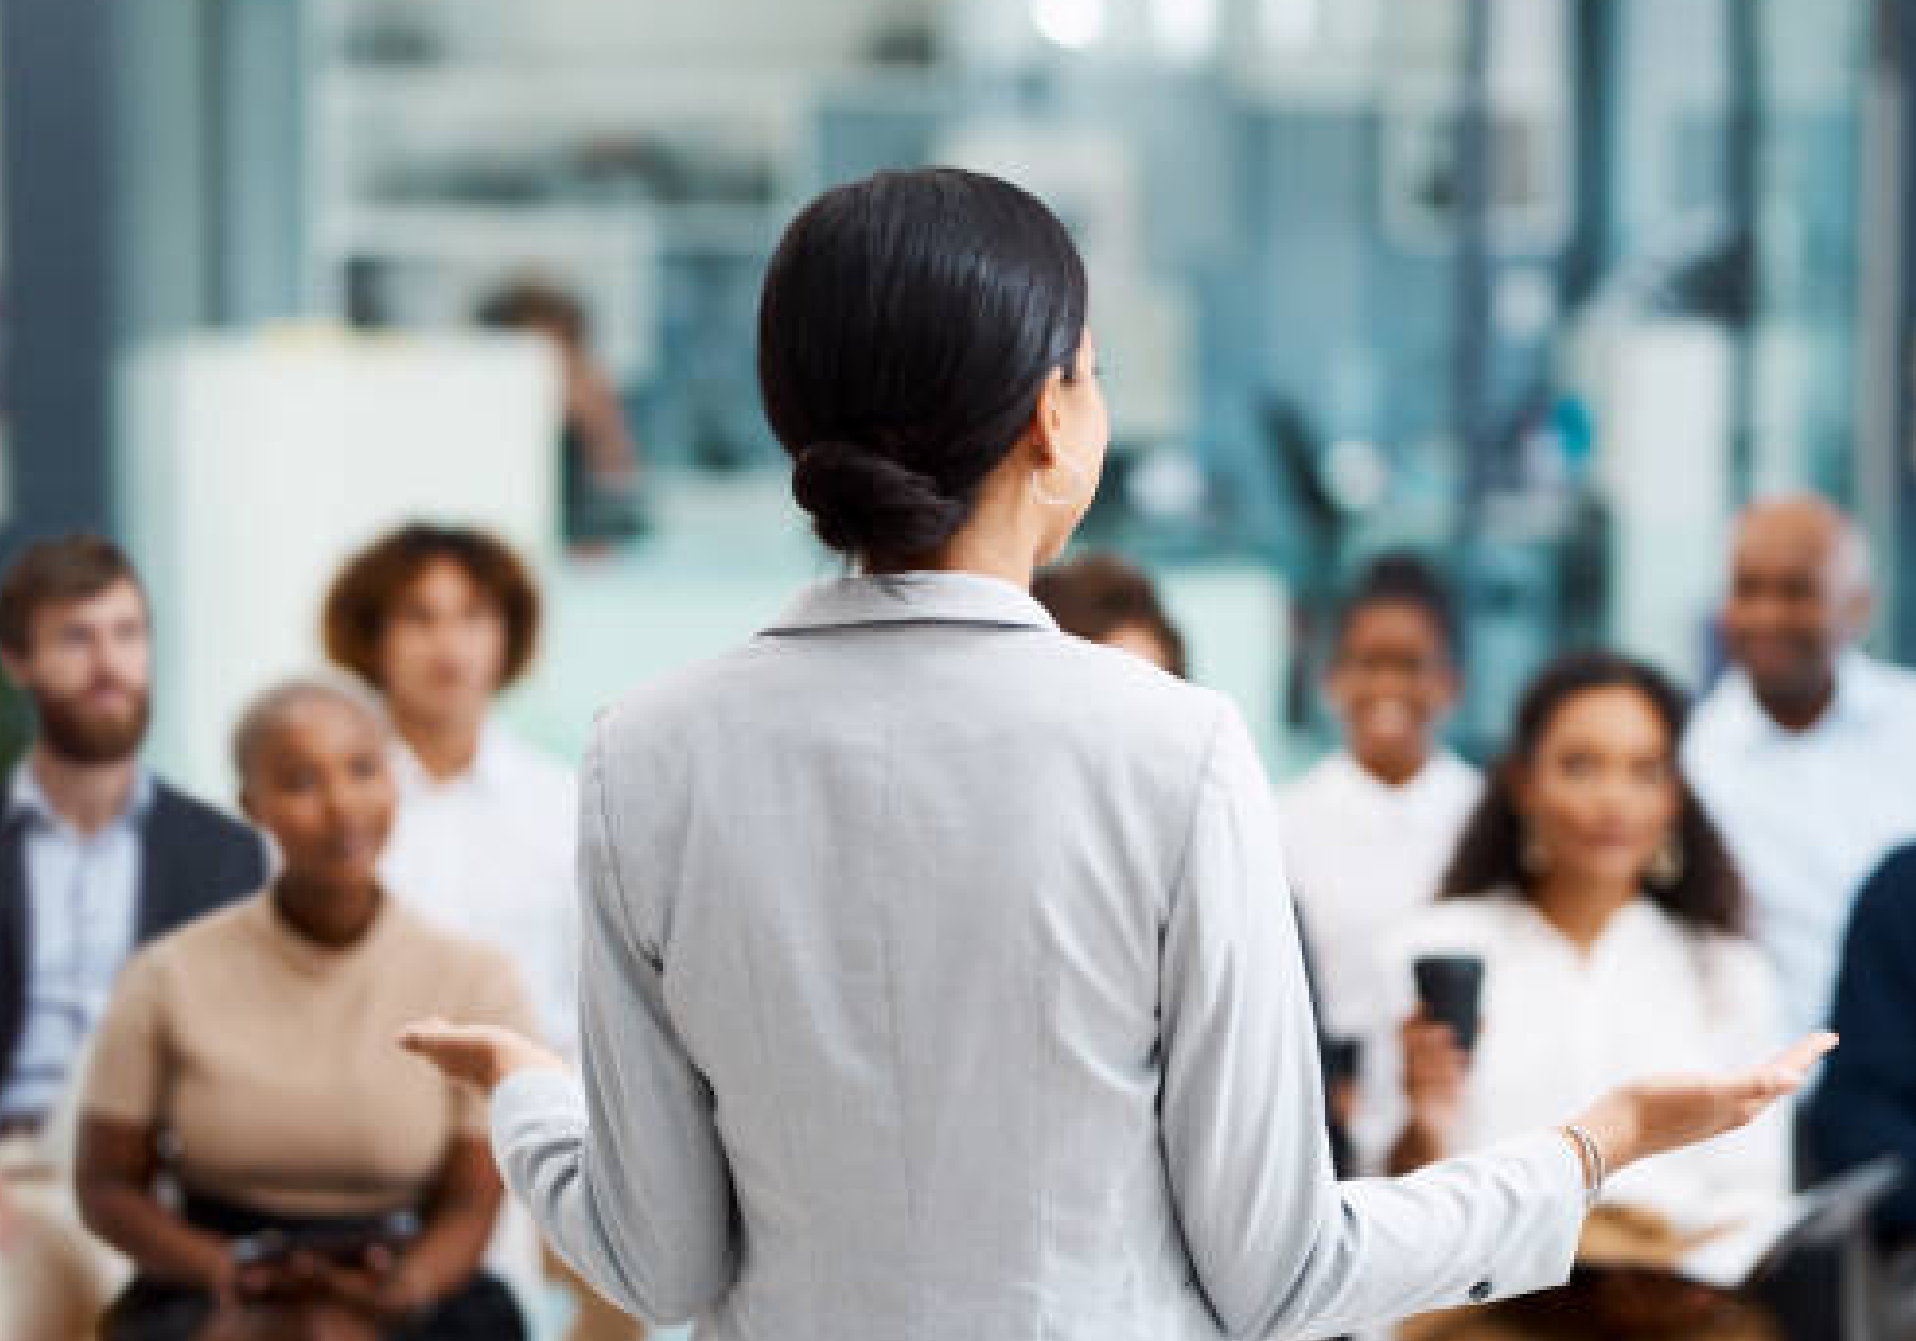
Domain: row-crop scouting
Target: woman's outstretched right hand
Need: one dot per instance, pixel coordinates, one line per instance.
(1663, 1113)
(477, 1055)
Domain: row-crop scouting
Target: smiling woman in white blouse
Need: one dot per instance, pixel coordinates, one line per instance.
(938, 981)
(1609, 922)
(1368, 831)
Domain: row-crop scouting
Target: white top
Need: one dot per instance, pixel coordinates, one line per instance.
(1362, 856)
(490, 855)
(940, 983)
(1808, 814)
(83, 914)
(1559, 1029)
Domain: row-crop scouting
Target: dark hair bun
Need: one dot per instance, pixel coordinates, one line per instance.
(906, 329)
(860, 500)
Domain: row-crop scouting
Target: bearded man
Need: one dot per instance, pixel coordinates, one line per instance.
(97, 857)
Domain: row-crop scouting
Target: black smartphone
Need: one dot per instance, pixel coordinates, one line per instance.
(1451, 989)
(342, 1243)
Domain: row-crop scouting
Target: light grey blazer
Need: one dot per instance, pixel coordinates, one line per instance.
(941, 981)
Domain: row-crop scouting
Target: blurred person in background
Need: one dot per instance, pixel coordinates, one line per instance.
(1608, 918)
(441, 620)
(97, 856)
(1103, 599)
(247, 1059)
(599, 459)
(1802, 750)
(1866, 1107)
(1369, 830)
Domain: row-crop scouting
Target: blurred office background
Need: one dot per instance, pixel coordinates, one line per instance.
(1544, 288)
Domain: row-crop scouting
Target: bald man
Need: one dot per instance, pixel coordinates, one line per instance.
(1804, 751)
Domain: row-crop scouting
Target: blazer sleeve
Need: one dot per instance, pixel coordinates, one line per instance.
(1865, 1104)
(624, 1171)
(1279, 1247)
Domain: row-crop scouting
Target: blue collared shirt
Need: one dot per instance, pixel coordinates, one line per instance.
(1808, 814)
(83, 893)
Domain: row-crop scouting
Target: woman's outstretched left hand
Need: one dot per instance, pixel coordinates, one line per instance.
(479, 1055)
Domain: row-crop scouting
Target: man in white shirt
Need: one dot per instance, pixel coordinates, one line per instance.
(1802, 751)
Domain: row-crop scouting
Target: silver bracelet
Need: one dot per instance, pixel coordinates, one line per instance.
(1592, 1160)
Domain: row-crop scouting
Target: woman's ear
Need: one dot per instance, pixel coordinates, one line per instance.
(1047, 418)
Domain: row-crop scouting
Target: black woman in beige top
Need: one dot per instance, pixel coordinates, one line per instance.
(248, 1058)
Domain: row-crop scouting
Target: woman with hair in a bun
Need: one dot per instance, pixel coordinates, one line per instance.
(940, 979)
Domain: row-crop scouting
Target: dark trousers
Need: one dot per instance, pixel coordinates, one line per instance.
(482, 1309)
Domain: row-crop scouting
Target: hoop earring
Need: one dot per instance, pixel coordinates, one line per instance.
(1666, 863)
(1077, 479)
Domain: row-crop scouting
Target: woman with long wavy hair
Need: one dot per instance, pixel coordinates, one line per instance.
(1608, 919)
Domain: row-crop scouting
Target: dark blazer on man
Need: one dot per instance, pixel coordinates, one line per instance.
(1865, 1104)
(193, 859)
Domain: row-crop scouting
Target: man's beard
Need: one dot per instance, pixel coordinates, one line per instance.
(76, 734)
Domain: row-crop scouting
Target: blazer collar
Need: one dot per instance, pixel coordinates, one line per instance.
(913, 598)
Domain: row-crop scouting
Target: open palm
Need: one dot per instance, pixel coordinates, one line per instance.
(1662, 1113)
(479, 1055)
